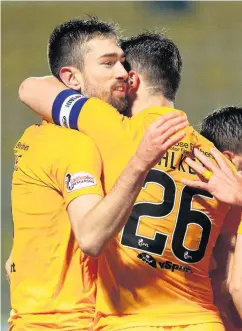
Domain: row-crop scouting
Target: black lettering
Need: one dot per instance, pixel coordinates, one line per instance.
(175, 267)
(172, 160)
(70, 101)
(166, 158)
(191, 171)
(13, 267)
(180, 163)
(162, 265)
(168, 265)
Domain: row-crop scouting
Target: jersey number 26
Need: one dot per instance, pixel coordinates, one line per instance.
(185, 215)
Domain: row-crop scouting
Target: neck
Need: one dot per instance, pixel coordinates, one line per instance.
(145, 100)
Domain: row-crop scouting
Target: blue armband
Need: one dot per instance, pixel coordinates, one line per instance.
(67, 107)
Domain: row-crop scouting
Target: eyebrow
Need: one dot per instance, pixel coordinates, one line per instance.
(112, 55)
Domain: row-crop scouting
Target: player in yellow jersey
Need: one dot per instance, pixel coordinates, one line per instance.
(53, 283)
(224, 128)
(47, 264)
(155, 272)
(227, 187)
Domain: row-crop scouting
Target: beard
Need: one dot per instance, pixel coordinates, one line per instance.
(89, 90)
(121, 103)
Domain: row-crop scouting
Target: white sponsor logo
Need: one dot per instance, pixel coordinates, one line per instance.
(187, 256)
(66, 109)
(141, 243)
(79, 180)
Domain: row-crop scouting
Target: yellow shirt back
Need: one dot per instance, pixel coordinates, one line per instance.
(155, 272)
(52, 281)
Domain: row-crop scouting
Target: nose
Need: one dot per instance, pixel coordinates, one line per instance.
(121, 73)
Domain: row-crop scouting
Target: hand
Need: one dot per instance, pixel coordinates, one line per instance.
(224, 184)
(158, 138)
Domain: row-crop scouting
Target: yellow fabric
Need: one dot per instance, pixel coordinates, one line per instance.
(141, 282)
(196, 327)
(240, 228)
(53, 285)
(207, 174)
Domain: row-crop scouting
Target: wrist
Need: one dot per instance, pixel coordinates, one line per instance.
(139, 165)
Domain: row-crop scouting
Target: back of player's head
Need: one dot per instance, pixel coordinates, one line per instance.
(68, 41)
(224, 128)
(158, 59)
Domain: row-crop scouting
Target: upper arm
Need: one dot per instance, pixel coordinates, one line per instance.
(78, 171)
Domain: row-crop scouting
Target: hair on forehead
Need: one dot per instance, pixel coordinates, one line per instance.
(67, 43)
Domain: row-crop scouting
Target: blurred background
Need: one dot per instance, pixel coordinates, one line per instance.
(208, 35)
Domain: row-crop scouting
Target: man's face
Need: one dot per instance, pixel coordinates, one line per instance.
(104, 74)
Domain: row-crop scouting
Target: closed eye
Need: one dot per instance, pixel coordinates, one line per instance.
(109, 63)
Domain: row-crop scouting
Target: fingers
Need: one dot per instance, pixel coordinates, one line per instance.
(205, 160)
(198, 168)
(172, 141)
(174, 129)
(164, 118)
(169, 128)
(220, 160)
(195, 166)
(195, 183)
(179, 121)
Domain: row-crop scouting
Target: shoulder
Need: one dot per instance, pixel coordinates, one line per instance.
(66, 137)
(200, 142)
(52, 142)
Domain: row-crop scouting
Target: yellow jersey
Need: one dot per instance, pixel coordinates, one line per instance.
(53, 284)
(155, 272)
(240, 228)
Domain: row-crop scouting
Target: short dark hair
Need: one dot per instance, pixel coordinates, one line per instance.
(67, 41)
(157, 58)
(224, 128)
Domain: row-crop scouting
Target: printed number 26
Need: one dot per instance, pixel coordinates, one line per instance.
(185, 216)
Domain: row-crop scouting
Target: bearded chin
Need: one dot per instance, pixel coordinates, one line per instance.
(121, 104)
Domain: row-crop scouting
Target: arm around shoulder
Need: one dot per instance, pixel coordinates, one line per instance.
(39, 93)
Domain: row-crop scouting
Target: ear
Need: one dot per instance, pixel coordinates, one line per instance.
(230, 155)
(71, 77)
(133, 80)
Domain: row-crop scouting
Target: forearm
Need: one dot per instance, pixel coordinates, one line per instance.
(108, 217)
(39, 93)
